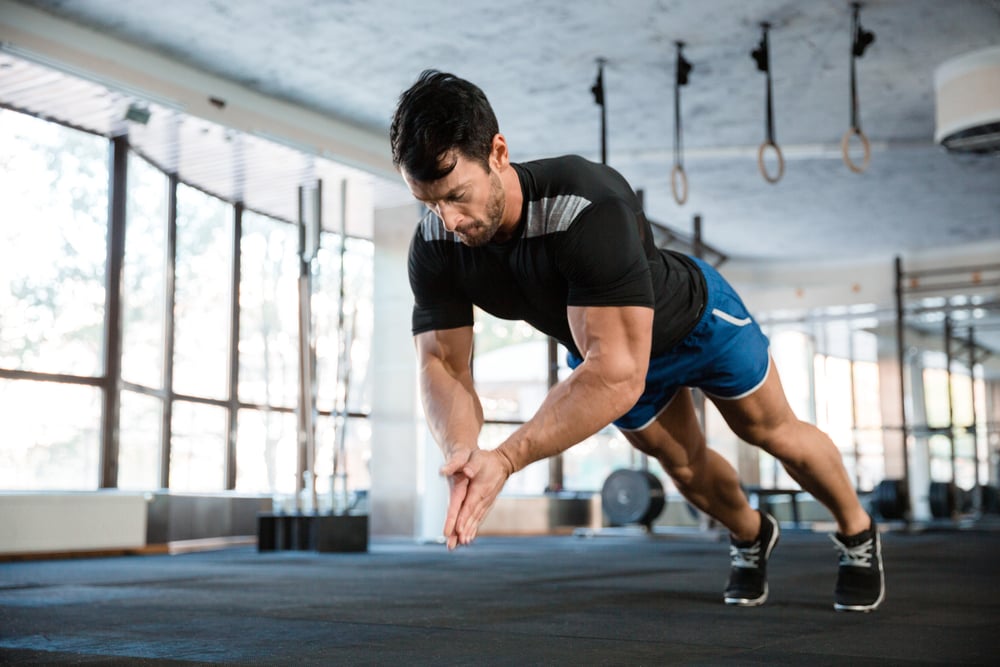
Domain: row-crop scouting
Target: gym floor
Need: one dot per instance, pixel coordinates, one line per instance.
(605, 600)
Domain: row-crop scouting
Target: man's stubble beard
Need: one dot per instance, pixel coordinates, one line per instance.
(495, 206)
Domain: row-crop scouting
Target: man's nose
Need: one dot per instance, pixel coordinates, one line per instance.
(449, 216)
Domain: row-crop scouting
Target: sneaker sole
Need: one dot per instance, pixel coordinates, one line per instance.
(865, 608)
(746, 602)
(756, 602)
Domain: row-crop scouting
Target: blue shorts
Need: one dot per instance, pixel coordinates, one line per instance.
(725, 355)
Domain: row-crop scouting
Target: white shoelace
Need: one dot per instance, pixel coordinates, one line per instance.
(745, 556)
(857, 556)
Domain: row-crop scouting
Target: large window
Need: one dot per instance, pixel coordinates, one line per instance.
(266, 452)
(43, 448)
(144, 293)
(176, 412)
(201, 311)
(269, 337)
(949, 410)
(139, 441)
(144, 273)
(358, 323)
(53, 243)
(197, 449)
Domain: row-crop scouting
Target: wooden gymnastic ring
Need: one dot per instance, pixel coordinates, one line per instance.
(845, 145)
(680, 199)
(760, 162)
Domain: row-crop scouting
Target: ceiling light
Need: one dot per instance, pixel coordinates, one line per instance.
(968, 102)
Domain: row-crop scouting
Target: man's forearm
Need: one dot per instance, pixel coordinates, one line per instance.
(454, 413)
(573, 410)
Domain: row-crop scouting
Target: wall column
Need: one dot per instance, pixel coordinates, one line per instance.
(408, 497)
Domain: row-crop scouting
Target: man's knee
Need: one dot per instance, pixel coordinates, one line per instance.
(785, 442)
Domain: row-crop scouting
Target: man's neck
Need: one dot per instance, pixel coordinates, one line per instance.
(514, 198)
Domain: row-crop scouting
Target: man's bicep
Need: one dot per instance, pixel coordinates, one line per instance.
(452, 347)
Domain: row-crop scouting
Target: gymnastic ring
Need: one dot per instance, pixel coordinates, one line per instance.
(845, 145)
(678, 169)
(760, 162)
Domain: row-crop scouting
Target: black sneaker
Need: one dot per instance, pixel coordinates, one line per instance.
(748, 576)
(860, 578)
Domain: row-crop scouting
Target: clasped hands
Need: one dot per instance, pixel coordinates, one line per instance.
(476, 477)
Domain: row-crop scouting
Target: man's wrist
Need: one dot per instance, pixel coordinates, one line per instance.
(507, 460)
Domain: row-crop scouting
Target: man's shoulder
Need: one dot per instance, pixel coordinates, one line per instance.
(559, 190)
(573, 175)
(561, 175)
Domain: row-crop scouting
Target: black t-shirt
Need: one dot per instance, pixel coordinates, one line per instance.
(582, 241)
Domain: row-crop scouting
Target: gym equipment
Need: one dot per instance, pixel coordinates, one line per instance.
(917, 316)
(312, 532)
(678, 179)
(989, 499)
(762, 56)
(598, 91)
(861, 39)
(891, 499)
(309, 225)
(632, 497)
(943, 498)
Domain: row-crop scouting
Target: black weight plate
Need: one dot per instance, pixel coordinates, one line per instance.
(891, 499)
(942, 498)
(632, 497)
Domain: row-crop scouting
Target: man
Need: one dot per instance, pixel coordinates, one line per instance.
(563, 245)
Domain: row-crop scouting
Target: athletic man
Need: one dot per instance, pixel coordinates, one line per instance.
(563, 245)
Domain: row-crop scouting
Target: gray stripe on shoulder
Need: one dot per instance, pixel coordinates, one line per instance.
(432, 228)
(553, 214)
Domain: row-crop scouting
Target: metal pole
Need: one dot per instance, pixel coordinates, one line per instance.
(232, 409)
(854, 410)
(556, 462)
(170, 295)
(901, 359)
(599, 96)
(306, 425)
(977, 491)
(340, 494)
(113, 313)
(698, 396)
(951, 400)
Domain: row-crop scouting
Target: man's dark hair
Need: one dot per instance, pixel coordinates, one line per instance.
(438, 113)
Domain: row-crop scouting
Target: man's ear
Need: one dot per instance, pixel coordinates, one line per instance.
(499, 157)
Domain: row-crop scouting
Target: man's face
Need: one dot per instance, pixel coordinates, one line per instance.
(469, 200)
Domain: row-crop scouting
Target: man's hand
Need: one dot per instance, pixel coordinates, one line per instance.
(476, 479)
(458, 484)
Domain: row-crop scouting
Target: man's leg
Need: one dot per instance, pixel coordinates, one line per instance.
(765, 419)
(702, 476)
(713, 486)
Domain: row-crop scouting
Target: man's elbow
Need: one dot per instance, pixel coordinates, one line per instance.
(626, 388)
(631, 392)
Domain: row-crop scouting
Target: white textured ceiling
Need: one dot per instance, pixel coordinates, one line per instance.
(536, 60)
